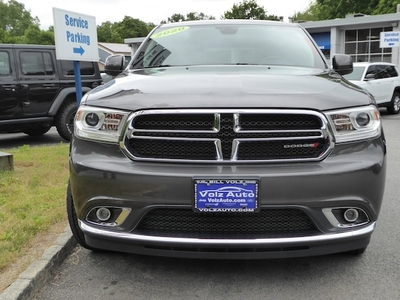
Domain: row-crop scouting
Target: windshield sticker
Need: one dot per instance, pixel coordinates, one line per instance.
(169, 32)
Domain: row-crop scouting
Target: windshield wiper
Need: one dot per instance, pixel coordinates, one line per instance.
(159, 66)
(245, 64)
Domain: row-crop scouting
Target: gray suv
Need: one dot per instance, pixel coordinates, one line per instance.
(227, 139)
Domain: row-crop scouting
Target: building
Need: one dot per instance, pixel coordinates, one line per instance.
(134, 43)
(359, 36)
(107, 49)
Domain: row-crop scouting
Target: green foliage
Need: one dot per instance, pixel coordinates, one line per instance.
(17, 26)
(105, 33)
(33, 35)
(248, 9)
(192, 16)
(32, 197)
(310, 14)
(116, 32)
(386, 7)
(175, 18)
(14, 18)
(332, 9)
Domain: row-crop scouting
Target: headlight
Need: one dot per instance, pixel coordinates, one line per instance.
(99, 124)
(355, 123)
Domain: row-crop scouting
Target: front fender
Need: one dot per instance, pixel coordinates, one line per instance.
(62, 96)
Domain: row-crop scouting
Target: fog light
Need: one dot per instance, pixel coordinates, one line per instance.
(350, 215)
(103, 214)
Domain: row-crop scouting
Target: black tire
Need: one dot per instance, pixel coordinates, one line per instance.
(357, 251)
(394, 106)
(65, 119)
(73, 221)
(38, 130)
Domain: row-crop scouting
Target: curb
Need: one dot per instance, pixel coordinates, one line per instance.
(40, 271)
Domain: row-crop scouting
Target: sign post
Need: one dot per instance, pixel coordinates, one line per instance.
(75, 36)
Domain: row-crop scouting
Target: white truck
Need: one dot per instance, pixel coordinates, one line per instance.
(382, 80)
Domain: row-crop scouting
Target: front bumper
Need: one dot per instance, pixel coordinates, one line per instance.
(352, 176)
(227, 248)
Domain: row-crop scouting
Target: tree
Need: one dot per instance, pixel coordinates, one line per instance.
(310, 14)
(130, 27)
(176, 18)
(248, 9)
(106, 33)
(33, 35)
(332, 9)
(5, 37)
(386, 7)
(15, 19)
(192, 16)
(116, 32)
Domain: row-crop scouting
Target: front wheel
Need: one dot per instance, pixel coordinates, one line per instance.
(65, 120)
(357, 252)
(73, 221)
(394, 106)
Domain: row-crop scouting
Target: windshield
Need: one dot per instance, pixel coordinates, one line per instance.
(356, 74)
(228, 44)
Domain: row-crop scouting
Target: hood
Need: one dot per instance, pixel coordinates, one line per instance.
(227, 87)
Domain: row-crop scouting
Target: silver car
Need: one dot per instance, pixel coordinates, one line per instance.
(227, 139)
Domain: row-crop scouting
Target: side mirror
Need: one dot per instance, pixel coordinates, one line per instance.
(369, 77)
(342, 64)
(114, 64)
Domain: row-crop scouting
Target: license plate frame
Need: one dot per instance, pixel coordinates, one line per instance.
(226, 195)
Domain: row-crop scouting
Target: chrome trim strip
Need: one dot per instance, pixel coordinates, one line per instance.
(299, 138)
(236, 122)
(218, 150)
(235, 149)
(227, 111)
(172, 138)
(87, 229)
(125, 211)
(332, 219)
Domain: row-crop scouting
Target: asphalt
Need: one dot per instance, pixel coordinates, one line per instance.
(40, 271)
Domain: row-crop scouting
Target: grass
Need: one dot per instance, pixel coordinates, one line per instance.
(32, 197)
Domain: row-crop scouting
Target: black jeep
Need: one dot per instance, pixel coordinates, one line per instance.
(37, 91)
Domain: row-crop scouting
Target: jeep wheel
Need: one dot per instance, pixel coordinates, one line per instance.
(394, 106)
(37, 131)
(65, 120)
(73, 221)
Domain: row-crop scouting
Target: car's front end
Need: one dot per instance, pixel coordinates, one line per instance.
(227, 161)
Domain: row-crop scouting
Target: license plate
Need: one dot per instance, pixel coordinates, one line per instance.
(226, 195)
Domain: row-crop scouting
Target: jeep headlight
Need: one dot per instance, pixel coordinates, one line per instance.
(99, 124)
(355, 123)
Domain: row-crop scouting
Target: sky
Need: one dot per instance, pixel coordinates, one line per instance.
(153, 11)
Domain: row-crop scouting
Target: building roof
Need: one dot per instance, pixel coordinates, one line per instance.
(354, 20)
(115, 48)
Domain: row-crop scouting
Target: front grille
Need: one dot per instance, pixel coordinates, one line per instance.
(268, 223)
(227, 135)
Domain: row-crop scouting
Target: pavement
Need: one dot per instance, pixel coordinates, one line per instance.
(40, 271)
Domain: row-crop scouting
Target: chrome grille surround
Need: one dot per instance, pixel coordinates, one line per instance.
(227, 135)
